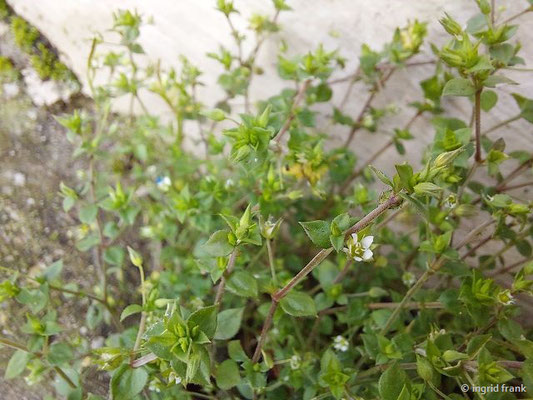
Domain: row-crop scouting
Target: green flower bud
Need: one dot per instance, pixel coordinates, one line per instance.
(262, 121)
(466, 210)
(445, 159)
(232, 239)
(484, 6)
(135, 258)
(160, 303)
(451, 58)
(242, 153)
(450, 25)
(427, 188)
(214, 115)
(181, 331)
(194, 331)
(376, 292)
(424, 369)
(452, 355)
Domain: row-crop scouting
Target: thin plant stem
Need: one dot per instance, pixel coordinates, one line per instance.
(142, 323)
(477, 123)
(357, 125)
(17, 346)
(512, 18)
(509, 267)
(413, 305)
(271, 261)
(501, 124)
(517, 186)
(222, 285)
(220, 293)
(377, 154)
(292, 113)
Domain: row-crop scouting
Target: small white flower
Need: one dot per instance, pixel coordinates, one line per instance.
(229, 183)
(408, 278)
(173, 377)
(295, 362)
(450, 201)
(163, 183)
(359, 250)
(506, 298)
(340, 344)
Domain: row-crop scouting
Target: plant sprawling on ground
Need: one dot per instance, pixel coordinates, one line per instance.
(268, 262)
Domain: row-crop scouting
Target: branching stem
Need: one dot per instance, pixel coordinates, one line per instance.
(317, 259)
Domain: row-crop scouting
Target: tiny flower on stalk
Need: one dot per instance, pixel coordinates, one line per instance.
(506, 298)
(359, 250)
(340, 344)
(451, 201)
(408, 279)
(295, 361)
(163, 183)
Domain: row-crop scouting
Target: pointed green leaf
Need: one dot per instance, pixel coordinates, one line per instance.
(391, 383)
(127, 382)
(130, 310)
(298, 304)
(17, 364)
(206, 319)
(242, 284)
(459, 87)
(228, 375)
(218, 245)
(228, 323)
(318, 232)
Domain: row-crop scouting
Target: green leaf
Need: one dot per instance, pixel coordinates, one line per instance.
(458, 87)
(236, 351)
(391, 383)
(298, 304)
(228, 323)
(526, 107)
(114, 255)
(127, 382)
(318, 232)
(218, 245)
(228, 375)
(242, 284)
(344, 221)
(337, 242)
(494, 80)
(59, 353)
(17, 364)
(130, 310)
(206, 319)
(88, 213)
(53, 271)
(35, 299)
(405, 173)
(381, 176)
(215, 115)
(88, 242)
(489, 98)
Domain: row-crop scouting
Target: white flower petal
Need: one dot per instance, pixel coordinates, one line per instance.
(367, 241)
(358, 258)
(354, 237)
(367, 255)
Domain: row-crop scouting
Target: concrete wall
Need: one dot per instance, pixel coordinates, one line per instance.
(194, 27)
